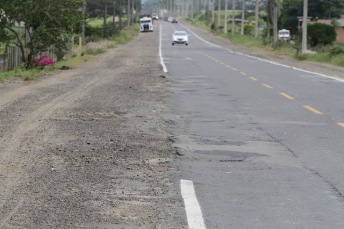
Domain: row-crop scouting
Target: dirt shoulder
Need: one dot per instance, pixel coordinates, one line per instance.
(285, 60)
(87, 147)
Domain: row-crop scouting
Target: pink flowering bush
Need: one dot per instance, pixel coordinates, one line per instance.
(43, 61)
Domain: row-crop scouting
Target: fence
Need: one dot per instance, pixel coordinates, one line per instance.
(12, 58)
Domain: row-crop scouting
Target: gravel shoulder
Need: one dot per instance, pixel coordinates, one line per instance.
(87, 147)
(285, 60)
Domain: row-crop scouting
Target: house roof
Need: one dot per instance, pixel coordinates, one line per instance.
(341, 21)
(327, 21)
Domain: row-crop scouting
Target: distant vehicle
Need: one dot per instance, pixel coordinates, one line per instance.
(175, 20)
(155, 16)
(180, 37)
(166, 16)
(145, 15)
(169, 19)
(146, 24)
(284, 34)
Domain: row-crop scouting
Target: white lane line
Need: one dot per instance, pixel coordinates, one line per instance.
(160, 53)
(209, 43)
(192, 208)
(267, 61)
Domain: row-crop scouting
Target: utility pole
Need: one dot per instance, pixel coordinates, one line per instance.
(120, 14)
(275, 23)
(192, 9)
(242, 17)
(256, 19)
(218, 15)
(225, 26)
(233, 16)
(105, 18)
(213, 13)
(114, 14)
(83, 25)
(207, 11)
(128, 15)
(304, 27)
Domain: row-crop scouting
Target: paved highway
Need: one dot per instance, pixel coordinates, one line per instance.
(262, 143)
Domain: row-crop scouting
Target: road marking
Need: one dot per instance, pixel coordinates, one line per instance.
(287, 96)
(221, 63)
(160, 53)
(235, 69)
(312, 109)
(252, 78)
(173, 27)
(207, 42)
(243, 73)
(341, 124)
(192, 208)
(266, 85)
(228, 66)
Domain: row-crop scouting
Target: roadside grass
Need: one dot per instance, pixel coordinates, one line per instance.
(147, 85)
(325, 57)
(126, 35)
(97, 22)
(35, 73)
(123, 37)
(94, 51)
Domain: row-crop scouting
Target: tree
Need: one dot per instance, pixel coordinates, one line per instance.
(317, 9)
(242, 17)
(321, 34)
(47, 23)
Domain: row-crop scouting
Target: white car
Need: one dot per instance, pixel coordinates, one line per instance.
(180, 37)
(170, 19)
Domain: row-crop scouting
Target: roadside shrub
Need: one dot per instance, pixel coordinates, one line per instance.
(322, 48)
(338, 50)
(93, 31)
(42, 61)
(321, 34)
(248, 28)
(301, 57)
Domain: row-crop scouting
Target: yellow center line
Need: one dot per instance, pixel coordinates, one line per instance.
(228, 66)
(243, 73)
(341, 124)
(174, 27)
(312, 109)
(287, 96)
(266, 85)
(252, 78)
(235, 69)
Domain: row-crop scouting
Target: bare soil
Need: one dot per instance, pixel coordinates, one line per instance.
(87, 147)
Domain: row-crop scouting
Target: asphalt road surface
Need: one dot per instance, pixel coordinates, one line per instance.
(261, 143)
